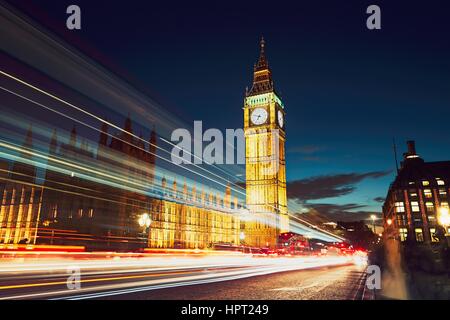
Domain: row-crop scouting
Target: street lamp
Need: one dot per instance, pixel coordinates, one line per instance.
(144, 220)
(373, 217)
(389, 222)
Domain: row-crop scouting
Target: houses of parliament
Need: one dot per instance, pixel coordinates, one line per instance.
(98, 207)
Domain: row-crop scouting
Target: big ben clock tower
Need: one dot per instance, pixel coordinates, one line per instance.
(265, 158)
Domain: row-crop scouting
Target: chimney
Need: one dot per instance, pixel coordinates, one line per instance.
(218, 200)
(203, 196)
(194, 194)
(175, 189)
(411, 157)
(227, 198)
(411, 147)
(185, 191)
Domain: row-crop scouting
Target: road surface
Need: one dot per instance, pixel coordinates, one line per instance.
(327, 283)
(204, 276)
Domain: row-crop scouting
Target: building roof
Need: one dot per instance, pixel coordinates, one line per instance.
(262, 76)
(423, 171)
(414, 168)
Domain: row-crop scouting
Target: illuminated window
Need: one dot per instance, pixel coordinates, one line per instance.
(425, 183)
(399, 207)
(428, 194)
(434, 238)
(401, 220)
(440, 182)
(403, 233)
(442, 192)
(413, 193)
(444, 204)
(419, 234)
(411, 183)
(80, 213)
(429, 206)
(415, 206)
(91, 213)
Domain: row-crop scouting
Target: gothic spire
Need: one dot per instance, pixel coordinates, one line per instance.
(104, 134)
(262, 63)
(128, 124)
(262, 76)
(28, 143)
(22, 170)
(73, 136)
(53, 143)
(152, 146)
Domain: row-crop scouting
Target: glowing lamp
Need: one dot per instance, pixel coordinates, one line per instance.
(144, 220)
(444, 217)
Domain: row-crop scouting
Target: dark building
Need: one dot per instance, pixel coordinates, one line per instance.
(94, 197)
(416, 198)
(358, 233)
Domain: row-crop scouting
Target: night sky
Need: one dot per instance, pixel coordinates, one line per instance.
(348, 90)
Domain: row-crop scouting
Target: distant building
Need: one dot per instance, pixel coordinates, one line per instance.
(353, 226)
(358, 233)
(414, 198)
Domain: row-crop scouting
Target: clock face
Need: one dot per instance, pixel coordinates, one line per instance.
(280, 119)
(259, 116)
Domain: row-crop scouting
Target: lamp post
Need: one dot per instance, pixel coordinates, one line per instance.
(145, 221)
(373, 217)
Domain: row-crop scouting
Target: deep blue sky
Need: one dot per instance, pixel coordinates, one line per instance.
(348, 91)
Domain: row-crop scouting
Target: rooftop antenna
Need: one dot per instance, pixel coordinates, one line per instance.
(395, 154)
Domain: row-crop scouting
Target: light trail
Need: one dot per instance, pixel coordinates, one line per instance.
(109, 123)
(109, 277)
(299, 228)
(117, 181)
(124, 141)
(313, 227)
(54, 283)
(139, 183)
(81, 69)
(105, 122)
(296, 227)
